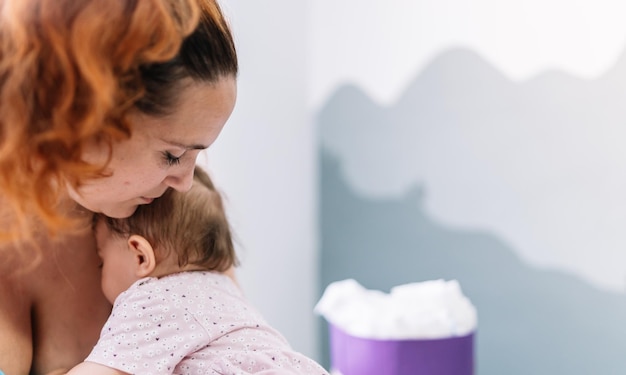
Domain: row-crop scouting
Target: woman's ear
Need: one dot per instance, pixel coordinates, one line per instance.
(143, 255)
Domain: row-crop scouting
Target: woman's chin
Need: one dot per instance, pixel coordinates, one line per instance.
(120, 212)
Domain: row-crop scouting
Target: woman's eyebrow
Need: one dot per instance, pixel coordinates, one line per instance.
(188, 147)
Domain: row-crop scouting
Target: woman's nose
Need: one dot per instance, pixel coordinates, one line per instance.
(180, 181)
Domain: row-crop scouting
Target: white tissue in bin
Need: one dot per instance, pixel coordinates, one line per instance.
(421, 310)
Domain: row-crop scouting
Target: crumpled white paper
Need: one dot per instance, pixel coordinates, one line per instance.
(420, 310)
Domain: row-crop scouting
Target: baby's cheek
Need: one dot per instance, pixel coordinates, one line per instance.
(107, 288)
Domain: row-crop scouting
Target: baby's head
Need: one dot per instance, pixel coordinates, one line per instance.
(176, 232)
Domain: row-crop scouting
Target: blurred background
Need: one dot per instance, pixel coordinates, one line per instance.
(398, 141)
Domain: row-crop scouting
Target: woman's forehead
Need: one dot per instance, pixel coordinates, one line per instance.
(201, 111)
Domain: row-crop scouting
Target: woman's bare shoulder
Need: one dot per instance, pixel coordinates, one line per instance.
(16, 301)
(48, 289)
(28, 262)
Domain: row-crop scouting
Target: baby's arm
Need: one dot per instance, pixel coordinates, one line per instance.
(91, 368)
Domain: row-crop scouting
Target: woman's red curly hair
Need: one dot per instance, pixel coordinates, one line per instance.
(69, 72)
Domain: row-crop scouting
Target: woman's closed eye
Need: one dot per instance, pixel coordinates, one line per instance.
(170, 159)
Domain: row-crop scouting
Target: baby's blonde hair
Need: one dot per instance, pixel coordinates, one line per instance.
(192, 224)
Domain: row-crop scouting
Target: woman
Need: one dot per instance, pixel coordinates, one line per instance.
(104, 104)
(159, 271)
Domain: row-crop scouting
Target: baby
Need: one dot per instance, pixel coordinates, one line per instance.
(174, 309)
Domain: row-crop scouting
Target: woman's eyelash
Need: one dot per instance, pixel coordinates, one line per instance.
(171, 159)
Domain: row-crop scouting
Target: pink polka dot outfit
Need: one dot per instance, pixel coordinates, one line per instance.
(193, 323)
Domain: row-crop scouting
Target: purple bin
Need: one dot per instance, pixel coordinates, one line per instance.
(359, 356)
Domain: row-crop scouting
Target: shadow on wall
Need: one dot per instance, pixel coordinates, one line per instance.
(531, 321)
(542, 163)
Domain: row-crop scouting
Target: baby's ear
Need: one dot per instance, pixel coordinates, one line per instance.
(144, 257)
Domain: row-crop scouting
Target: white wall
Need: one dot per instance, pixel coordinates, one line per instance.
(385, 46)
(380, 44)
(500, 125)
(264, 161)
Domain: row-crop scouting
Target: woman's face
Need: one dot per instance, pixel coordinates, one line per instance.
(161, 152)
